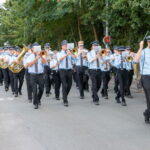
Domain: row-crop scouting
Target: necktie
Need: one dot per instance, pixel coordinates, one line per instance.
(97, 62)
(121, 62)
(36, 66)
(66, 62)
(81, 60)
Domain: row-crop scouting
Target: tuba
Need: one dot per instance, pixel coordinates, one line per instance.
(15, 67)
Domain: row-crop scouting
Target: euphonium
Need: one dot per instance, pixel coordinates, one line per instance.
(16, 68)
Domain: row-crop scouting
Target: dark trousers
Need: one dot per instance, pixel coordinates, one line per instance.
(116, 81)
(18, 81)
(1, 76)
(129, 79)
(29, 86)
(66, 80)
(6, 77)
(48, 80)
(122, 80)
(95, 76)
(11, 75)
(146, 86)
(80, 78)
(105, 80)
(57, 82)
(37, 87)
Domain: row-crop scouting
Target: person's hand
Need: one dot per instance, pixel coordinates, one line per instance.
(68, 52)
(141, 44)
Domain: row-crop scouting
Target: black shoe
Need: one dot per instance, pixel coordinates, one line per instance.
(47, 95)
(146, 116)
(66, 104)
(81, 97)
(57, 98)
(117, 100)
(105, 97)
(123, 104)
(129, 96)
(30, 100)
(97, 103)
(16, 95)
(36, 106)
(20, 93)
(6, 89)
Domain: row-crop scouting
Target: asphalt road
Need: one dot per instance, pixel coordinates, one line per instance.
(81, 126)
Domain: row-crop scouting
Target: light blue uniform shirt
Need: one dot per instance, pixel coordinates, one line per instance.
(62, 64)
(32, 68)
(117, 62)
(92, 64)
(52, 63)
(78, 60)
(105, 65)
(26, 58)
(145, 62)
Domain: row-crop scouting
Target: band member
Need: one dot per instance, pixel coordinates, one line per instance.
(65, 59)
(47, 70)
(130, 72)
(81, 67)
(18, 77)
(120, 64)
(94, 70)
(114, 69)
(143, 56)
(4, 58)
(35, 64)
(27, 74)
(54, 66)
(1, 73)
(105, 68)
(11, 75)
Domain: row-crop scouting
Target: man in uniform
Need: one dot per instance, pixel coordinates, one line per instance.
(81, 66)
(35, 64)
(143, 56)
(94, 70)
(65, 59)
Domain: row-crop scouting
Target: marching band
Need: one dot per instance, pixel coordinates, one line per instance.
(46, 68)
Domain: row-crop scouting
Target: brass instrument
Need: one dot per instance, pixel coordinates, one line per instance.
(103, 52)
(3, 64)
(74, 51)
(129, 58)
(43, 53)
(17, 67)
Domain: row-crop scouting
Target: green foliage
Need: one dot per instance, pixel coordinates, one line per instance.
(27, 21)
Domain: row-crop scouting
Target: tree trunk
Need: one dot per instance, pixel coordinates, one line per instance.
(79, 29)
(94, 31)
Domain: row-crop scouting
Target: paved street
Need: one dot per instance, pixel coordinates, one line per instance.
(81, 126)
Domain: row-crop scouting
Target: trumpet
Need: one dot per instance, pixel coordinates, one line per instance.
(74, 51)
(42, 53)
(103, 52)
(129, 58)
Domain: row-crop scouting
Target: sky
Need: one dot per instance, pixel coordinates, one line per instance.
(2, 1)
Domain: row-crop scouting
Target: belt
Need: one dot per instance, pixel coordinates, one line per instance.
(65, 69)
(36, 74)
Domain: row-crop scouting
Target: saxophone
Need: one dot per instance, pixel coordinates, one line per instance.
(17, 67)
